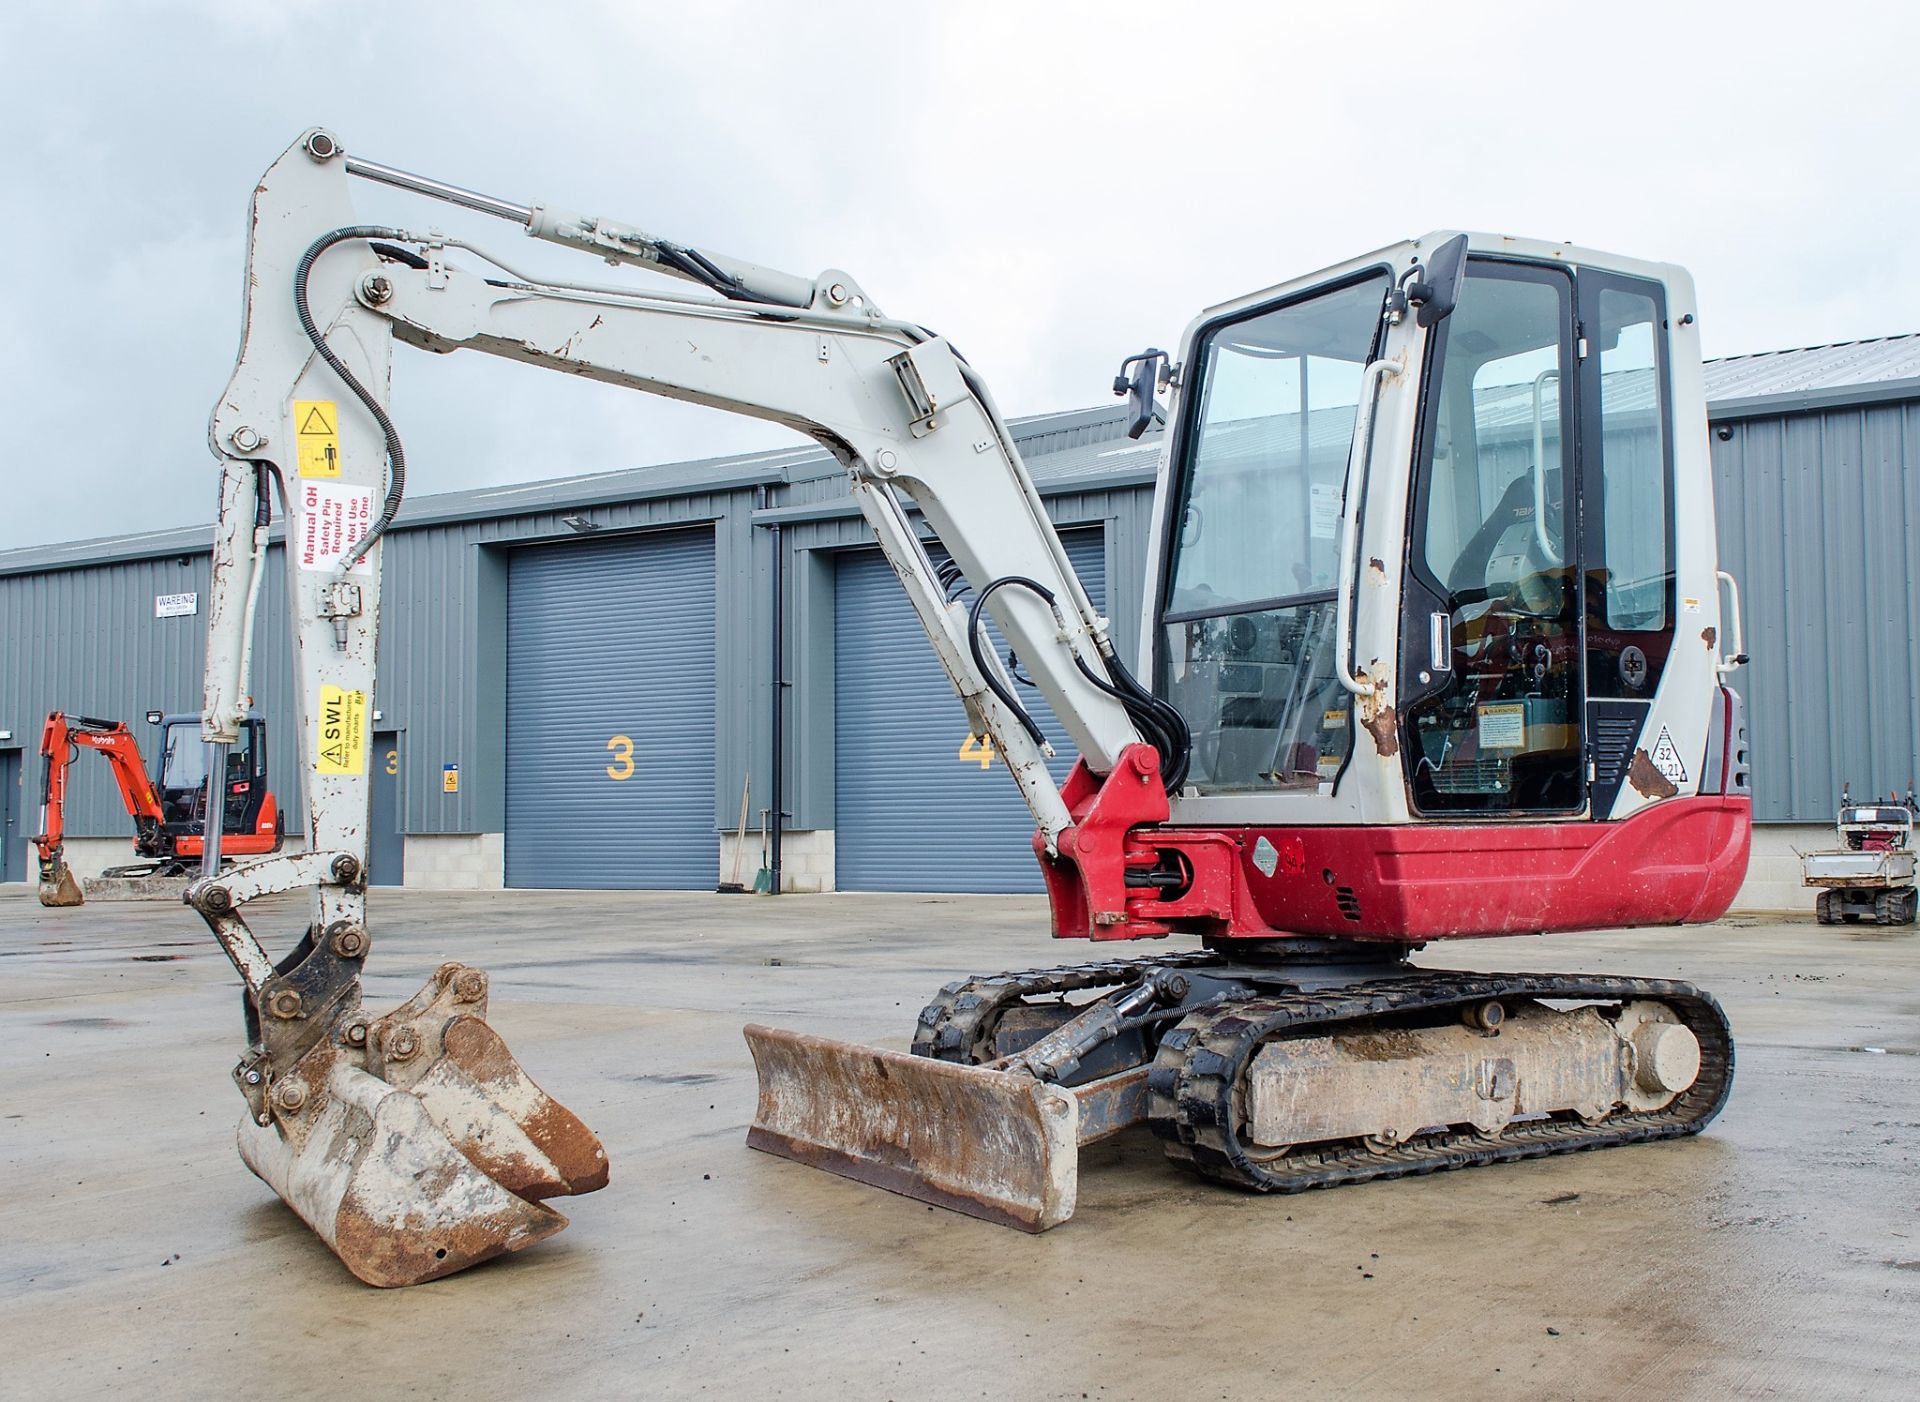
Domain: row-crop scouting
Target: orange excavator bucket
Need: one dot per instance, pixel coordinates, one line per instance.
(58, 886)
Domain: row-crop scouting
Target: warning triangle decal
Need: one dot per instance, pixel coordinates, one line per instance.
(315, 423)
(1666, 758)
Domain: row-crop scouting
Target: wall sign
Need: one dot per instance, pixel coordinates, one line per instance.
(449, 778)
(175, 605)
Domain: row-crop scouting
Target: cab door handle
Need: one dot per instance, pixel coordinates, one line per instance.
(1440, 641)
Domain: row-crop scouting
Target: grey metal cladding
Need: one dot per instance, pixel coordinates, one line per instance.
(1819, 519)
(87, 641)
(610, 713)
(1773, 382)
(911, 812)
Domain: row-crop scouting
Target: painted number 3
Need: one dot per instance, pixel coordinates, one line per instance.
(621, 748)
(979, 748)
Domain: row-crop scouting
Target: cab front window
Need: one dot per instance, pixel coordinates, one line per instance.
(1246, 650)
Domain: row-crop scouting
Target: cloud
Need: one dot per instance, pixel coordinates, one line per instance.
(1053, 186)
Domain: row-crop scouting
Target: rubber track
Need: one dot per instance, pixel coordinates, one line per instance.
(1194, 1084)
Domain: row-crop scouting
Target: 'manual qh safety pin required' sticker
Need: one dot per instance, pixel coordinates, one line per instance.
(331, 521)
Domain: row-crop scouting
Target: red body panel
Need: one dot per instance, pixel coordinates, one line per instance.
(264, 838)
(1679, 861)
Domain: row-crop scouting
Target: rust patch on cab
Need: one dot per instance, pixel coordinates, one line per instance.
(1709, 636)
(1647, 780)
(1383, 724)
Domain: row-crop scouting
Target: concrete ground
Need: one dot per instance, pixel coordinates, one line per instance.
(1778, 1254)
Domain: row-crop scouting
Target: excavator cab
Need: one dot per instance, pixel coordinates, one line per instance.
(251, 823)
(1438, 600)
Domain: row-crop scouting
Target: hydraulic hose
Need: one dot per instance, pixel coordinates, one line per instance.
(1159, 723)
(396, 455)
(980, 661)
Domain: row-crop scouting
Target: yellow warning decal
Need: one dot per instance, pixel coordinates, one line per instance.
(342, 747)
(316, 429)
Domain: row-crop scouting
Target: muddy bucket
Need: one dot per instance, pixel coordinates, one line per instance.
(58, 886)
(415, 1145)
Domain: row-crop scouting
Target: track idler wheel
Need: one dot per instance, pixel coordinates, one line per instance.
(414, 1144)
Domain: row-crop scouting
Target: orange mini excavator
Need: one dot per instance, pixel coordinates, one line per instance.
(169, 812)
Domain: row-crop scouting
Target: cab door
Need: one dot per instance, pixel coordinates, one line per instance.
(1493, 656)
(1627, 539)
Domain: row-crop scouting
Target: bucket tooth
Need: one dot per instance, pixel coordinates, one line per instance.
(365, 1166)
(439, 1047)
(996, 1145)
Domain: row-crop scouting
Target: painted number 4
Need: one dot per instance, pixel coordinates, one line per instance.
(978, 748)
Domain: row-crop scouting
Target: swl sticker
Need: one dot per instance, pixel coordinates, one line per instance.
(342, 738)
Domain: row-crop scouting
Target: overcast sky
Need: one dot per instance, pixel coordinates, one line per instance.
(1052, 185)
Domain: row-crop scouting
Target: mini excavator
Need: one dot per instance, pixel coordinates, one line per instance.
(1435, 646)
(168, 808)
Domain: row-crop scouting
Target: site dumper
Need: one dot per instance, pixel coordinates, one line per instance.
(1870, 875)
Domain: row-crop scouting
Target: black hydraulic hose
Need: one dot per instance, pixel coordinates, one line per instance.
(402, 255)
(1160, 724)
(396, 455)
(979, 661)
(952, 582)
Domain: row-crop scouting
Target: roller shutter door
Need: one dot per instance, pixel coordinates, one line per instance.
(610, 714)
(910, 814)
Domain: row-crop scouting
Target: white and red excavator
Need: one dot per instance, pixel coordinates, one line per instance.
(1434, 647)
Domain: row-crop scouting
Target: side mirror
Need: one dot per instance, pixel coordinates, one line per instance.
(1140, 376)
(1439, 286)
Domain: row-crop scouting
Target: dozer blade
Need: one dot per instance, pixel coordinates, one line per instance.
(992, 1144)
(136, 888)
(366, 1168)
(58, 887)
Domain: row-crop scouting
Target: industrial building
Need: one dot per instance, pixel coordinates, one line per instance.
(579, 680)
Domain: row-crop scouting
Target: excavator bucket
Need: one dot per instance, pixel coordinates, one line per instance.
(997, 1145)
(58, 886)
(439, 1046)
(431, 1156)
